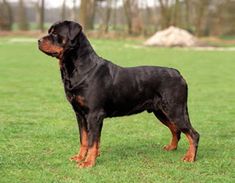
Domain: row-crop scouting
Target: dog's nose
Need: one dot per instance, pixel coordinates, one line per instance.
(39, 41)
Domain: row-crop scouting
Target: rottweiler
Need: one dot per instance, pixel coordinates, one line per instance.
(96, 88)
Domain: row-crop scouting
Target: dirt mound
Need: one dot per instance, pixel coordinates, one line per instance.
(172, 37)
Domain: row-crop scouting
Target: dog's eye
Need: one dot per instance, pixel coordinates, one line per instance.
(59, 39)
(55, 35)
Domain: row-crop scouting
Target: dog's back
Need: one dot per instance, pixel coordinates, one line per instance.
(135, 89)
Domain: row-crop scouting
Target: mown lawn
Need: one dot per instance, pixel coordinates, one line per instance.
(38, 131)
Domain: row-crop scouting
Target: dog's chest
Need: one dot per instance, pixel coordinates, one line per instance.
(78, 101)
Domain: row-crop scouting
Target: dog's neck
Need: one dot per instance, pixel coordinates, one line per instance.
(84, 46)
(81, 54)
(78, 62)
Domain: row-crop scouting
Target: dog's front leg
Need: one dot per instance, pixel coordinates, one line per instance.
(94, 124)
(82, 124)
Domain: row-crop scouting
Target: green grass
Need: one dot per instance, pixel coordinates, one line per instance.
(38, 131)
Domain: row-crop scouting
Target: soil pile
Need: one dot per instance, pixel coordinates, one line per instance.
(172, 37)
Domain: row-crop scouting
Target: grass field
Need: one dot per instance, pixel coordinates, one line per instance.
(38, 131)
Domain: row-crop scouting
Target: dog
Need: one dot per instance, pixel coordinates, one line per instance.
(96, 88)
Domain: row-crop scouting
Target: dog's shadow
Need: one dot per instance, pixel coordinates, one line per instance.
(141, 151)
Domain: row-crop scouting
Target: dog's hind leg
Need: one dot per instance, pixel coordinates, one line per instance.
(191, 134)
(179, 115)
(193, 138)
(173, 105)
(173, 128)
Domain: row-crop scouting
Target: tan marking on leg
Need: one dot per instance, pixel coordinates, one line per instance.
(174, 141)
(91, 157)
(83, 147)
(98, 149)
(190, 155)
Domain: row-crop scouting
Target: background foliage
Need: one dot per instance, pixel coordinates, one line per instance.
(133, 17)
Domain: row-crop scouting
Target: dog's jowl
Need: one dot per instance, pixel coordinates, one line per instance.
(97, 88)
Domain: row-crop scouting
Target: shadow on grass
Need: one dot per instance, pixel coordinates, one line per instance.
(141, 152)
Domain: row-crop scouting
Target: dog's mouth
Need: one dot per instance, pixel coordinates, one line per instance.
(53, 54)
(49, 52)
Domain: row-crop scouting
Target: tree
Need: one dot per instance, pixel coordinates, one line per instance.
(127, 10)
(6, 18)
(187, 14)
(227, 16)
(148, 18)
(63, 10)
(132, 12)
(115, 15)
(106, 13)
(176, 11)
(165, 6)
(171, 12)
(201, 9)
(40, 9)
(22, 18)
(74, 11)
(87, 13)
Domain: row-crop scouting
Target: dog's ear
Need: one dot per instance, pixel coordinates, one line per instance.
(74, 30)
(50, 29)
(53, 26)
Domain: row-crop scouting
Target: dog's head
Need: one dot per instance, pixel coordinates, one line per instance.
(61, 36)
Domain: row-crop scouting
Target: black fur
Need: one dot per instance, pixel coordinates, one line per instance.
(109, 90)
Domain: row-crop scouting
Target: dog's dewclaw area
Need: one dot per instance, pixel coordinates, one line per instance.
(38, 130)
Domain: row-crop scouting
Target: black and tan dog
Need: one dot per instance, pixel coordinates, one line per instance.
(97, 88)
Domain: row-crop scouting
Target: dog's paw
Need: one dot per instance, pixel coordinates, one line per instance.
(189, 158)
(169, 147)
(77, 158)
(86, 164)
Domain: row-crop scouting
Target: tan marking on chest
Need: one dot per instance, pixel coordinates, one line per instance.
(80, 100)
